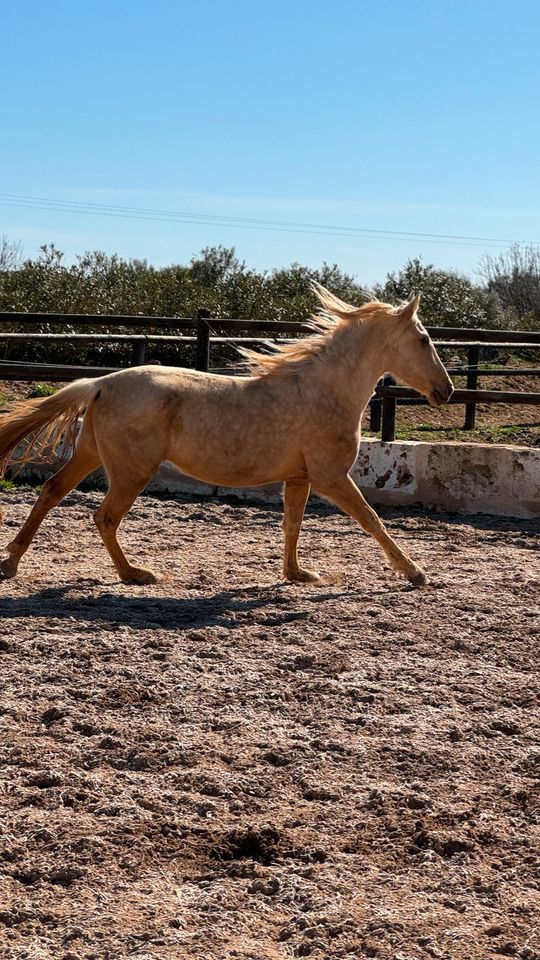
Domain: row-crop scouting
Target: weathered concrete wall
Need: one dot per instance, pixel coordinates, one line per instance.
(462, 477)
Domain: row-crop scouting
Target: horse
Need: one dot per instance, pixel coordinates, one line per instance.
(295, 418)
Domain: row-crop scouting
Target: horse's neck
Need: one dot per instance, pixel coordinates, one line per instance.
(352, 369)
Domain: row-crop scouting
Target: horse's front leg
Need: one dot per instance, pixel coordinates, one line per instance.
(345, 494)
(294, 501)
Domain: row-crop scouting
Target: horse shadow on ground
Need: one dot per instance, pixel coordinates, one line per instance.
(270, 607)
(266, 607)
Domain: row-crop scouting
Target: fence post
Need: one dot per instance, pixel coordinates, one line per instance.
(138, 353)
(388, 429)
(473, 356)
(202, 353)
(375, 414)
(389, 404)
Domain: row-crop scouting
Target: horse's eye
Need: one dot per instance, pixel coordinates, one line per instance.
(424, 339)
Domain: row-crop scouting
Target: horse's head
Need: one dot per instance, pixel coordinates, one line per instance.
(413, 358)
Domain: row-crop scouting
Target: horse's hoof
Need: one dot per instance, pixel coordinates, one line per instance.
(417, 578)
(8, 568)
(139, 575)
(303, 576)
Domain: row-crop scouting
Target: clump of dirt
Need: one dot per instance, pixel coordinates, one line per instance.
(224, 765)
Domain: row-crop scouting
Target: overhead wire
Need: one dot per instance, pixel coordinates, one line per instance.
(251, 223)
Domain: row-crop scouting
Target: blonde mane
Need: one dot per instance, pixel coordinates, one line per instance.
(333, 317)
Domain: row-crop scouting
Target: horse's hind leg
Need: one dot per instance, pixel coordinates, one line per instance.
(84, 461)
(294, 502)
(344, 492)
(123, 490)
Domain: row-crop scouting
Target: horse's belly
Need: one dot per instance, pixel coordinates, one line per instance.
(231, 466)
(232, 479)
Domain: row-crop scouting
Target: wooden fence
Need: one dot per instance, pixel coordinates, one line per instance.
(202, 331)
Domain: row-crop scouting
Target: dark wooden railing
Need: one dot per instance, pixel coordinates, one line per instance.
(202, 331)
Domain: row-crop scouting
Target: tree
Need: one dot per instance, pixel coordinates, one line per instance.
(448, 299)
(215, 265)
(513, 278)
(10, 254)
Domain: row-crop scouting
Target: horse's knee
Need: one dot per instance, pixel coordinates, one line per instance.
(106, 520)
(102, 519)
(291, 531)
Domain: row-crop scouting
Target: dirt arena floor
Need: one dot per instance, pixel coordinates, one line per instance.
(224, 765)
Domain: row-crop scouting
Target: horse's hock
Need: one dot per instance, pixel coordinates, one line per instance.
(461, 477)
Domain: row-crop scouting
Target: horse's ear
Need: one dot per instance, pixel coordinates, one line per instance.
(410, 308)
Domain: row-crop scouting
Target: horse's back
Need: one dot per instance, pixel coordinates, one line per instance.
(228, 430)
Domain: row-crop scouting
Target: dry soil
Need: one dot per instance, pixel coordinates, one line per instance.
(224, 765)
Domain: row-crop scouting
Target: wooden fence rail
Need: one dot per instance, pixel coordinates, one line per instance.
(170, 323)
(203, 330)
(386, 398)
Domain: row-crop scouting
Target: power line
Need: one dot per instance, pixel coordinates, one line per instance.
(251, 223)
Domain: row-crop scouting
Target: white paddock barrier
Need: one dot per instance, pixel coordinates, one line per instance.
(457, 477)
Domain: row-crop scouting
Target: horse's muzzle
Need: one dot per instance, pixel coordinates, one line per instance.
(438, 397)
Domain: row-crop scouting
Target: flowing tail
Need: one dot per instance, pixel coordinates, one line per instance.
(48, 420)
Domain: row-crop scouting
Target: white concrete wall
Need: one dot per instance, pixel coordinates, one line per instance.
(462, 477)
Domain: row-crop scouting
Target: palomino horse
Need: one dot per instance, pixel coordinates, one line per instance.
(296, 419)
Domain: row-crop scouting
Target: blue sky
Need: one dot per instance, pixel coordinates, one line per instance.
(418, 117)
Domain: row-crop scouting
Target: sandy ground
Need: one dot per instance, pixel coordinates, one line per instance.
(223, 765)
